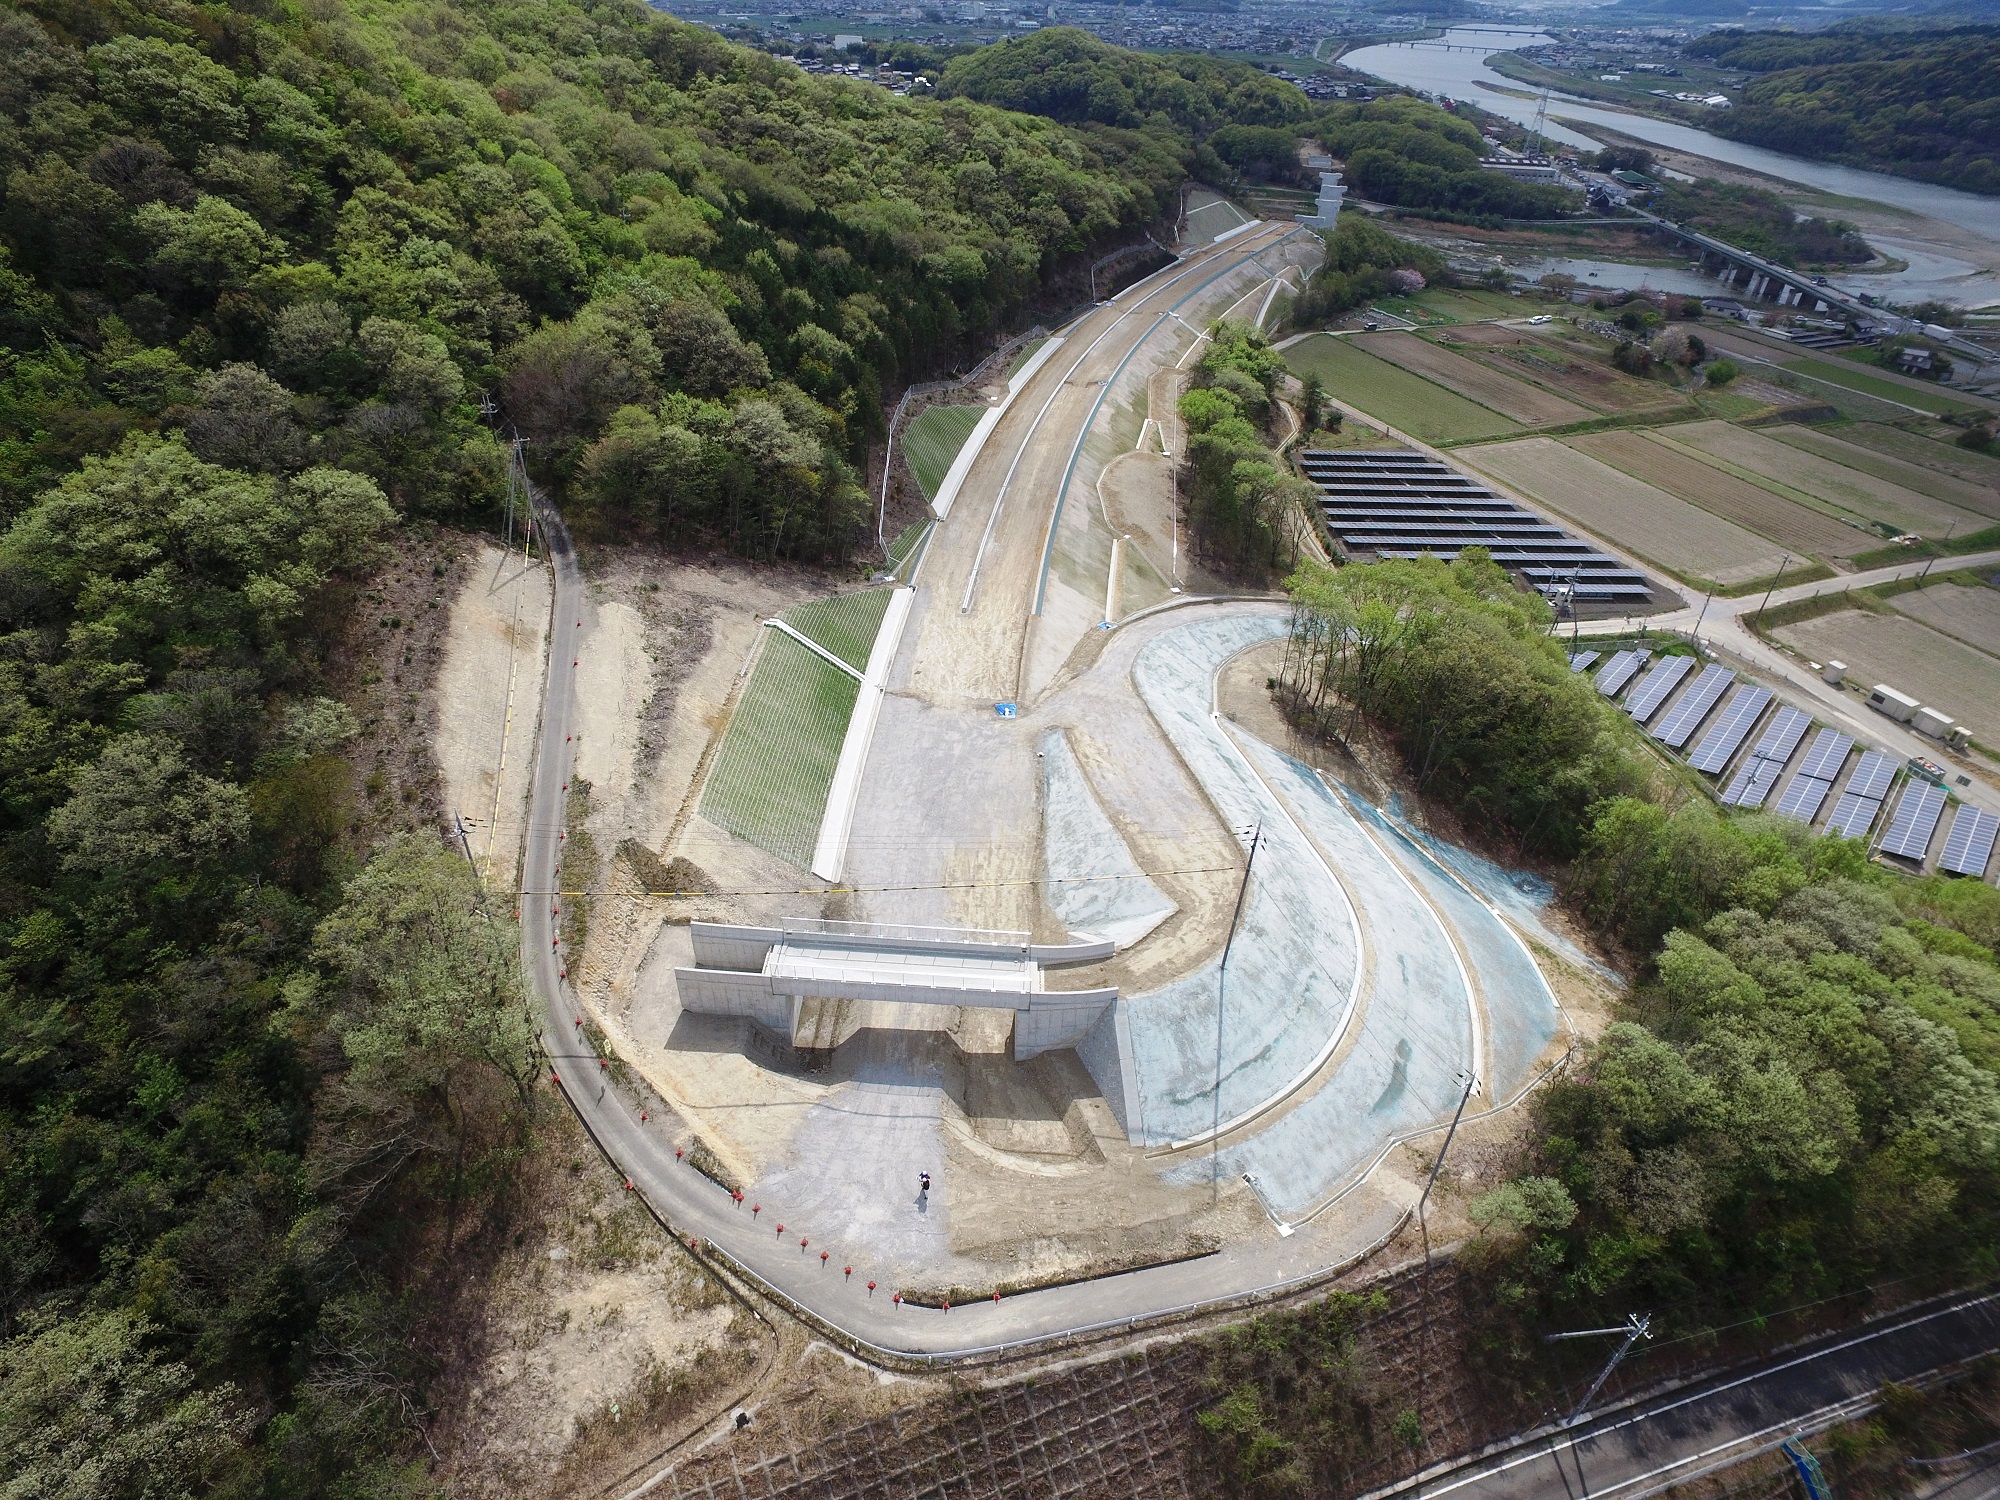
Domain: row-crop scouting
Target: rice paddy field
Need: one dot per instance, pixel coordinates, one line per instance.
(1983, 499)
(1949, 675)
(1527, 404)
(1641, 518)
(1408, 402)
(1969, 614)
(1812, 477)
(774, 769)
(1974, 468)
(932, 441)
(1803, 532)
(846, 624)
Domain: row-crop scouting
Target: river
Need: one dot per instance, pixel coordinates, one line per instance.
(1455, 64)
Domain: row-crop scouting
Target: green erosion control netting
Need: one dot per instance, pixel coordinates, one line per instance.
(932, 441)
(904, 547)
(771, 778)
(845, 626)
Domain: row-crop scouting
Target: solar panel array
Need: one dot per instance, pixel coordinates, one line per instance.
(1685, 717)
(1620, 670)
(1752, 783)
(1755, 778)
(1659, 685)
(1400, 504)
(1861, 803)
(1804, 797)
(1730, 731)
(1581, 661)
(1916, 819)
(1968, 848)
(1827, 755)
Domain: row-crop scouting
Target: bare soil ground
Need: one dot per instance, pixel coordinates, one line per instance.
(1575, 368)
(1971, 615)
(1723, 494)
(1924, 478)
(489, 687)
(1953, 677)
(1525, 403)
(598, 1341)
(1638, 516)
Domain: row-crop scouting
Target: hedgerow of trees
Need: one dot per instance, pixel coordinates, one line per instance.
(1244, 509)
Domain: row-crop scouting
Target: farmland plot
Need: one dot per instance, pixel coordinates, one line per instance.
(1983, 498)
(1962, 463)
(1971, 615)
(1863, 495)
(1784, 521)
(1637, 516)
(1908, 655)
(1584, 378)
(1409, 402)
(1525, 403)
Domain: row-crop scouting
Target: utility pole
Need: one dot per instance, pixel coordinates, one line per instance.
(1783, 564)
(1635, 1327)
(1256, 832)
(1705, 598)
(1423, 1227)
(1933, 557)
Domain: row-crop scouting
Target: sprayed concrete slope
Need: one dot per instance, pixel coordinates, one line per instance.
(1093, 883)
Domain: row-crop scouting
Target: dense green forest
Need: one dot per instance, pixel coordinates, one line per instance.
(1231, 118)
(1919, 102)
(261, 1085)
(1797, 1099)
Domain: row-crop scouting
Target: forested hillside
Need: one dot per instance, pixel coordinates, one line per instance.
(1922, 103)
(261, 1085)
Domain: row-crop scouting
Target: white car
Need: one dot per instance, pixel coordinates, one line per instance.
(1540, 319)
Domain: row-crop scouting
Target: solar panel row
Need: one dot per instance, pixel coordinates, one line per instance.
(1804, 797)
(1968, 848)
(1788, 726)
(1872, 776)
(1752, 783)
(1827, 755)
(1685, 717)
(1730, 731)
(1916, 819)
(1620, 670)
(1853, 816)
(1581, 661)
(1659, 684)
(1400, 504)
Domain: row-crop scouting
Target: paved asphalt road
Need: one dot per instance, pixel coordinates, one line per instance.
(1675, 1437)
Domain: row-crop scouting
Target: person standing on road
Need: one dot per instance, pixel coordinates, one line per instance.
(923, 1184)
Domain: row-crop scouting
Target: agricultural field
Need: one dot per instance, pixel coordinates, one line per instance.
(932, 441)
(1443, 306)
(1644, 520)
(1947, 457)
(1843, 372)
(846, 624)
(1527, 404)
(1911, 657)
(1967, 613)
(1581, 374)
(1804, 532)
(1408, 402)
(775, 767)
(1832, 484)
(1982, 498)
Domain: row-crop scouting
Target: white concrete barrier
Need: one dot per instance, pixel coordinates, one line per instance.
(830, 849)
(962, 465)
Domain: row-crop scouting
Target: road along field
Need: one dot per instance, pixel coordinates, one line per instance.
(1417, 406)
(1527, 404)
(1925, 480)
(1643, 519)
(1805, 532)
(1971, 615)
(1949, 675)
(1863, 496)
(1577, 370)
